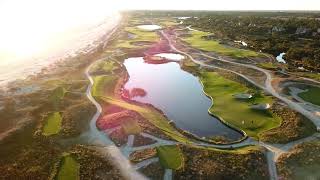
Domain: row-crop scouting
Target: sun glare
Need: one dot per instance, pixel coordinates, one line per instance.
(33, 26)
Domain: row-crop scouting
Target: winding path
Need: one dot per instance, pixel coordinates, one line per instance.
(274, 151)
(120, 155)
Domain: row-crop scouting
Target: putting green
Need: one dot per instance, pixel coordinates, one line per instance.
(237, 112)
(70, 168)
(53, 124)
(170, 157)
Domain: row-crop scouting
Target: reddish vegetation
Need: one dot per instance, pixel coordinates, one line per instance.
(155, 59)
(160, 47)
(138, 92)
(116, 119)
(126, 94)
(110, 109)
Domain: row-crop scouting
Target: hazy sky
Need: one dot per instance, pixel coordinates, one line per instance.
(26, 25)
(223, 4)
(177, 4)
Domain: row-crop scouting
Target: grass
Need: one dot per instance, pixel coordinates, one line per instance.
(168, 23)
(141, 35)
(70, 168)
(105, 66)
(315, 76)
(152, 115)
(312, 95)
(237, 112)
(131, 127)
(103, 85)
(170, 157)
(53, 124)
(57, 95)
(268, 65)
(197, 41)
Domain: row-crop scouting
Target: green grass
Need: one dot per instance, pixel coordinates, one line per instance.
(168, 23)
(103, 85)
(197, 41)
(236, 111)
(170, 157)
(107, 66)
(315, 76)
(268, 65)
(70, 168)
(141, 35)
(53, 124)
(312, 95)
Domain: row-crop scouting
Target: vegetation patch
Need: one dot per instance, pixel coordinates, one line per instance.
(170, 157)
(268, 65)
(52, 124)
(155, 117)
(294, 126)
(153, 171)
(140, 36)
(57, 95)
(197, 40)
(70, 168)
(301, 162)
(103, 85)
(131, 127)
(105, 67)
(234, 111)
(312, 95)
(206, 163)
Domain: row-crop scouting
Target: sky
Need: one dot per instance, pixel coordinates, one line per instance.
(222, 4)
(26, 25)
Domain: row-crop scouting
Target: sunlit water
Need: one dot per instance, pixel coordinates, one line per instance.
(149, 27)
(280, 58)
(82, 38)
(171, 56)
(178, 94)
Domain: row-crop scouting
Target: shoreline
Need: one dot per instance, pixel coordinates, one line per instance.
(50, 62)
(118, 92)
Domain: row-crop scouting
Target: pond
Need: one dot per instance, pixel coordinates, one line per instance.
(280, 58)
(149, 27)
(171, 56)
(178, 94)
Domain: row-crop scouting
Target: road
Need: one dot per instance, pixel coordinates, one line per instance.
(274, 150)
(120, 155)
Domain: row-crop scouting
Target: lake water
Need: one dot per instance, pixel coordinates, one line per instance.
(149, 27)
(171, 56)
(178, 94)
(280, 58)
